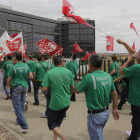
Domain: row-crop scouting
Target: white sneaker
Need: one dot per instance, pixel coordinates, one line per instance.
(65, 118)
(23, 130)
(128, 133)
(43, 115)
(26, 107)
(13, 110)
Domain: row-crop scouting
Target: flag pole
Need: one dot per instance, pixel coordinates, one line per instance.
(102, 32)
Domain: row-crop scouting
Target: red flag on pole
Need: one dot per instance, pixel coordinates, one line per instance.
(51, 47)
(92, 53)
(77, 48)
(132, 27)
(133, 48)
(40, 44)
(67, 8)
(68, 12)
(109, 43)
(60, 52)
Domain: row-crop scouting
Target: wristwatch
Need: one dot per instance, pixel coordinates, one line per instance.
(135, 55)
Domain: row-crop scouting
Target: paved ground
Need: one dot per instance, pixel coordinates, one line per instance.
(75, 127)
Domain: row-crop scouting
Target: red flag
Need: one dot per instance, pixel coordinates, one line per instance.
(67, 8)
(13, 36)
(86, 57)
(68, 12)
(51, 47)
(92, 53)
(132, 27)
(40, 44)
(109, 43)
(77, 48)
(133, 48)
(77, 19)
(24, 50)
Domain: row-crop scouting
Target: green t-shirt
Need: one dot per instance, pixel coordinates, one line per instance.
(133, 73)
(97, 87)
(113, 66)
(6, 66)
(52, 66)
(73, 67)
(19, 73)
(60, 79)
(31, 65)
(46, 65)
(40, 71)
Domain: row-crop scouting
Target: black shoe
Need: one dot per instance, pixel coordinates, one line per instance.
(73, 100)
(130, 113)
(35, 104)
(119, 108)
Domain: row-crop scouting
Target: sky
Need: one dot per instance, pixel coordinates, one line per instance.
(111, 16)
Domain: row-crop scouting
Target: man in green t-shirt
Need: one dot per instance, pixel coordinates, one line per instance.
(73, 67)
(39, 72)
(18, 78)
(45, 63)
(31, 64)
(61, 83)
(6, 67)
(114, 72)
(97, 86)
(133, 73)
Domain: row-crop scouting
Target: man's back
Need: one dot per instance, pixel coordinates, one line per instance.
(60, 80)
(6, 66)
(73, 67)
(45, 65)
(31, 64)
(19, 73)
(40, 71)
(97, 87)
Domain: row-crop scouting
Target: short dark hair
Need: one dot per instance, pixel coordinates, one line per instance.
(9, 57)
(18, 56)
(45, 57)
(39, 57)
(58, 59)
(95, 60)
(30, 57)
(114, 57)
(74, 56)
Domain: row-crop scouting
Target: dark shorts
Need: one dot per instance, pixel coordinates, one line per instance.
(55, 117)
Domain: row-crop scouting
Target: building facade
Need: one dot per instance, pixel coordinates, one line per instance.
(35, 28)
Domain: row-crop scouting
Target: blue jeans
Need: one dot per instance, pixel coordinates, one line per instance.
(96, 123)
(117, 88)
(4, 86)
(18, 98)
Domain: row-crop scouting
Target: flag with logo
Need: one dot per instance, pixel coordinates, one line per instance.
(77, 48)
(8, 45)
(109, 43)
(51, 47)
(40, 44)
(133, 27)
(68, 12)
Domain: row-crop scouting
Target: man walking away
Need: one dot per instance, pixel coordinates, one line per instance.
(73, 67)
(39, 72)
(31, 64)
(133, 73)
(97, 86)
(18, 77)
(62, 84)
(45, 62)
(6, 67)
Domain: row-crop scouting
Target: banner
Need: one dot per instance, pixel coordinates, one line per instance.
(40, 44)
(109, 43)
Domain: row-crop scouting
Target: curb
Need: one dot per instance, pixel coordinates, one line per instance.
(14, 133)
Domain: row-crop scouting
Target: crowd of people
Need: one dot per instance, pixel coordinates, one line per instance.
(58, 86)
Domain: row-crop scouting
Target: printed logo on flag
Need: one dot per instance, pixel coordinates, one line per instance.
(50, 46)
(1, 49)
(13, 45)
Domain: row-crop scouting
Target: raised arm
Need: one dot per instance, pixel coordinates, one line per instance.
(129, 49)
